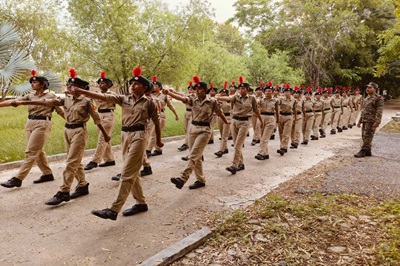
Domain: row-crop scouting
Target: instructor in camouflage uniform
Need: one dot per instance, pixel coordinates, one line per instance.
(371, 116)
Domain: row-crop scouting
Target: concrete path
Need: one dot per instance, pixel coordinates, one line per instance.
(35, 234)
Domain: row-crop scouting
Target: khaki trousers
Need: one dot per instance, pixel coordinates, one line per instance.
(104, 150)
(256, 127)
(224, 131)
(37, 132)
(198, 138)
(285, 127)
(345, 118)
(297, 128)
(325, 120)
(212, 125)
(152, 138)
(308, 122)
(239, 131)
(317, 123)
(335, 118)
(186, 124)
(146, 161)
(269, 122)
(133, 149)
(354, 116)
(75, 142)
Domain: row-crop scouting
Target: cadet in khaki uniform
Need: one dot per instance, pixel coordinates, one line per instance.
(212, 92)
(165, 101)
(203, 109)
(77, 111)
(347, 109)
(308, 116)
(357, 101)
(224, 128)
(37, 130)
(297, 125)
(336, 104)
(276, 95)
(106, 113)
(187, 119)
(269, 110)
(287, 107)
(326, 112)
(242, 107)
(256, 128)
(318, 109)
(371, 117)
(137, 109)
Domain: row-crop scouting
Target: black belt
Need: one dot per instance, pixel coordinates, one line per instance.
(200, 123)
(133, 128)
(310, 111)
(267, 113)
(188, 109)
(336, 106)
(317, 111)
(299, 113)
(73, 126)
(282, 113)
(227, 114)
(162, 110)
(241, 118)
(105, 110)
(34, 117)
(326, 109)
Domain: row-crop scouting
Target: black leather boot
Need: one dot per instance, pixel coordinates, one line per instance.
(360, 154)
(80, 191)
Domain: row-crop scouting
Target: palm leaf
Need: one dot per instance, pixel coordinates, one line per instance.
(8, 36)
(21, 89)
(16, 68)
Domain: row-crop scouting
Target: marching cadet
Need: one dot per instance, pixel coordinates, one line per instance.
(137, 109)
(224, 128)
(318, 109)
(371, 117)
(287, 107)
(275, 95)
(106, 113)
(347, 109)
(203, 109)
(77, 111)
(165, 101)
(243, 105)
(256, 128)
(298, 122)
(269, 110)
(326, 112)
(308, 114)
(37, 130)
(336, 104)
(352, 104)
(358, 102)
(187, 119)
(212, 92)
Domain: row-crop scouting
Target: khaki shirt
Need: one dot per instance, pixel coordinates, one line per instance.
(336, 102)
(203, 111)
(243, 106)
(269, 105)
(326, 103)
(346, 102)
(135, 111)
(286, 106)
(76, 110)
(308, 105)
(164, 100)
(41, 110)
(299, 106)
(225, 107)
(101, 105)
(317, 105)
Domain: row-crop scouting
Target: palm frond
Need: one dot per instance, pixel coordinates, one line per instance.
(8, 36)
(55, 83)
(16, 67)
(20, 89)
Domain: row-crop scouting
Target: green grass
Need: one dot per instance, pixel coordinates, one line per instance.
(12, 134)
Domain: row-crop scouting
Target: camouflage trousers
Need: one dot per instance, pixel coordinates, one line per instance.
(367, 134)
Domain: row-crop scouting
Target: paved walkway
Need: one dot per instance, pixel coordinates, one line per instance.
(36, 234)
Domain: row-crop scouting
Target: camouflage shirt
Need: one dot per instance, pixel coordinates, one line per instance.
(372, 109)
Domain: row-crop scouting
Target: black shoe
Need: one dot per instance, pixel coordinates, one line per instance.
(314, 138)
(184, 147)
(137, 208)
(261, 157)
(156, 153)
(13, 182)
(281, 152)
(258, 141)
(178, 182)
(146, 171)
(321, 131)
(44, 178)
(305, 142)
(344, 128)
(58, 198)
(105, 164)
(211, 141)
(197, 184)
(240, 167)
(80, 191)
(231, 169)
(333, 132)
(350, 126)
(90, 166)
(294, 145)
(116, 177)
(360, 154)
(185, 158)
(253, 142)
(148, 153)
(106, 214)
(272, 137)
(225, 151)
(339, 129)
(219, 153)
(322, 136)
(230, 138)
(368, 153)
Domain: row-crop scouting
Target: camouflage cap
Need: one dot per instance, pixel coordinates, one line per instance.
(372, 85)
